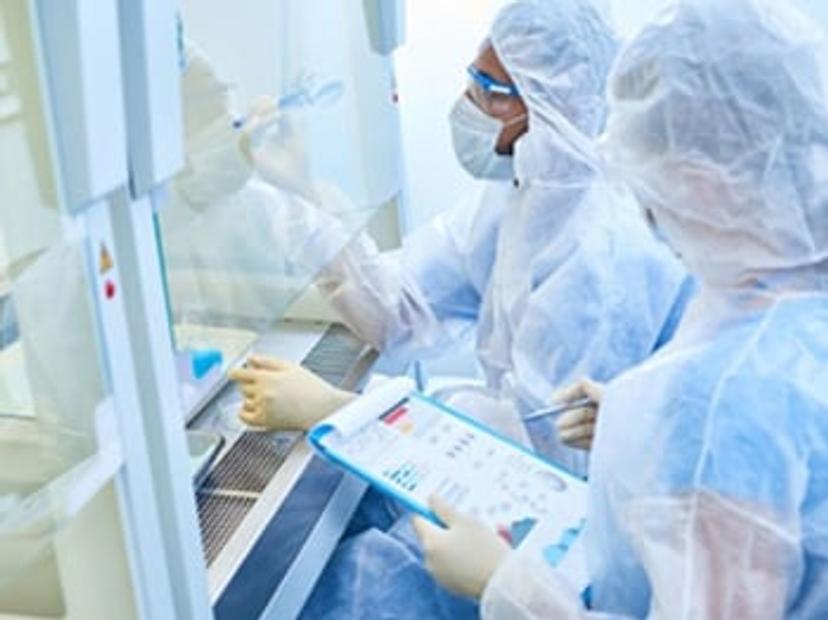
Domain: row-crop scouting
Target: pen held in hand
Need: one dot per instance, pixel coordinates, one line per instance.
(558, 409)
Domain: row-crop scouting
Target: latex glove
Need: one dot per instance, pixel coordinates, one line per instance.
(464, 555)
(576, 428)
(283, 396)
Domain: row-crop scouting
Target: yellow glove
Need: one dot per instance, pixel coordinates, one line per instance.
(463, 556)
(283, 396)
(576, 428)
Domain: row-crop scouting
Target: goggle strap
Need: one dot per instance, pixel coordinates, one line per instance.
(491, 85)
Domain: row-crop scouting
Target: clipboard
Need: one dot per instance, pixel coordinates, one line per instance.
(411, 446)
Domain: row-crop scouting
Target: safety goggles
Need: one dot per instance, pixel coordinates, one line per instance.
(489, 92)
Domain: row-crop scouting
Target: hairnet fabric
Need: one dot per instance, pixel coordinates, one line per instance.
(559, 55)
(731, 113)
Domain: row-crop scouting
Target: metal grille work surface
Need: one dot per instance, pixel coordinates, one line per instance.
(219, 516)
(251, 463)
(334, 355)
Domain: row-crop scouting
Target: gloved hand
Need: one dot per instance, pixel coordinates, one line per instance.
(283, 396)
(576, 428)
(463, 556)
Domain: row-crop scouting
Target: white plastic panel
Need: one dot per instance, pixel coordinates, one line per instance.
(80, 39)
(386, 24)
(153, 87)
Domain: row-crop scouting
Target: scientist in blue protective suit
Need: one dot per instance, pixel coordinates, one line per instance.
(709, 473)
(558, 273)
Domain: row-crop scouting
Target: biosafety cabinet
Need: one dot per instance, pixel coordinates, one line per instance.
(141, 258)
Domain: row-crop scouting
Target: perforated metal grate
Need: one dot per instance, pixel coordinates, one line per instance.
(334, 355)
(251, 463)
(219, 516)
(232, 487)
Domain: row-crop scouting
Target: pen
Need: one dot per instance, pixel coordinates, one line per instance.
(555, 410)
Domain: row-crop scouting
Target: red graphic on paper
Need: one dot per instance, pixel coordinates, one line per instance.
(395, 416)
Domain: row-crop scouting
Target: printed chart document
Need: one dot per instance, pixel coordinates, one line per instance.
(412, 447)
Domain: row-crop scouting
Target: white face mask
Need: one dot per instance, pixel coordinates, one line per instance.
(474, 136)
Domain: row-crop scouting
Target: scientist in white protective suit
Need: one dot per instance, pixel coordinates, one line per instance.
(555, 272)
(558, 273)
(709, 473)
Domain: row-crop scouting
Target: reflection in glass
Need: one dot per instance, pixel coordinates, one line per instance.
(51, 384)
(290, 142)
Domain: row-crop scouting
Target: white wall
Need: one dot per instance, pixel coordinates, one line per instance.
(442, 38)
